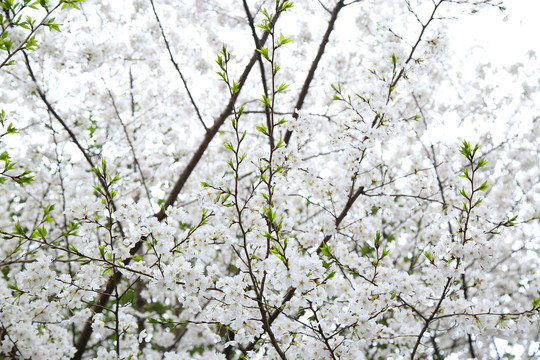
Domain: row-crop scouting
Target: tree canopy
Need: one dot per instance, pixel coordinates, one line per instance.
(253, 179)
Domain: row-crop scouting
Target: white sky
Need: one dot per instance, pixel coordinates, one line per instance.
(506, 36)
(500, 38)
(504, 39)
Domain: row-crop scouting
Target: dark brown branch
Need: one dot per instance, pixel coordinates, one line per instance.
(352, 198)
(33, 30)
(290, 293)
(315, 65)
(413, 49)
(85, 335)
(431, 317)
(197, 155)
(51, 110)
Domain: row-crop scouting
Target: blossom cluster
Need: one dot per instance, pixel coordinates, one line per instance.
(300, 204)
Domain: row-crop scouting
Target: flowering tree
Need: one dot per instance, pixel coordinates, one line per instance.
(294, 206)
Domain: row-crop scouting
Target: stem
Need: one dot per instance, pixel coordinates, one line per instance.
(314, 65)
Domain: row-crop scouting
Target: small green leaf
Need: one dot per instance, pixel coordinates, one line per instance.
(283, 40)
(19, 228)
(235, 88)
(326, 251)
(262, 129)
(481, 163)
(282, 87)
(264, 53)
(265, 100)
(331, 275)
(128, 297)
(280, 144)
(377, 239)
(482, 187)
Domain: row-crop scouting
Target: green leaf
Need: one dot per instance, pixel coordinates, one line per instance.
(52, 25)
(274, 250)
(265, 100)
(326, 250)
(286, 5)
(235, 88)
(220, 62)
(19, 229)
(482, 187)
(11, 129)
(377, 239)
(478, 202)
(282, 87)
(283, 40)
(331, 275)
(48, 209)
(481, 163)
(264, 53)
(280, 144)
(128, 297)
(510, 221)
(73, 5)
(265, 27)
(222, 75)
(465, 149)
(262, 129)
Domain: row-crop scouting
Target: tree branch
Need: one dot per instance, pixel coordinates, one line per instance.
(177, 67)
(85, 335)
(315, 64)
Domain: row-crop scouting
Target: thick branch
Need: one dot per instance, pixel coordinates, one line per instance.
(197, 155)
(85, 335)
(315, 64)
(51, 110)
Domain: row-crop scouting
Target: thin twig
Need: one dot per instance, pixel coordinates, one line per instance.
(177, 67)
